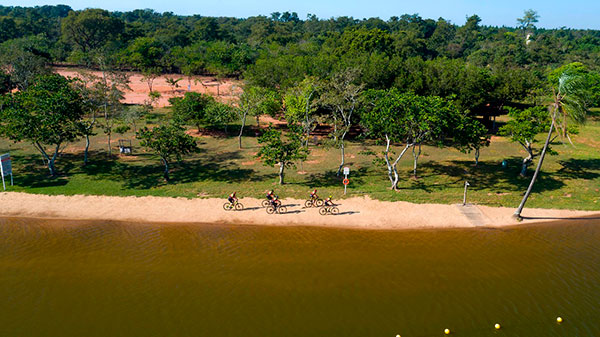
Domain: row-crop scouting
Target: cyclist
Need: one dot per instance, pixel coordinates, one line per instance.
(328, 201)
(275, 201)
(232, 198)
(313, 195)
(270, 195)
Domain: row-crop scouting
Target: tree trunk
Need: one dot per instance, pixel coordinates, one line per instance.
(242, 129)
(527, 160)
(109, 147)
(86, 151)
(343, 151)
(281, 168)
(476, 156)
(166, 172)
(396, 177)
(416, 159)
(52, 160)
(387, 159)
(517, 213)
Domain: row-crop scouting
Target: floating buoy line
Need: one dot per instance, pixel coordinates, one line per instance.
(497, 326)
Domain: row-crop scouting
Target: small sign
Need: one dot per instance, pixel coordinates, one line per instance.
(5, 164)
(346, 171)
(5, 169)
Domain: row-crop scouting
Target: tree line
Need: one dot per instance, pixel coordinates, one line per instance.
(485, 67)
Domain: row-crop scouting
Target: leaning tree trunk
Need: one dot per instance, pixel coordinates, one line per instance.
(166, 171)
(517, 213)
(281, 168)
(395, 170)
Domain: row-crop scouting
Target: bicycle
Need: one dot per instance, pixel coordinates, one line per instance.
(312, 202)
(272, 209)
(266, 203)
(333, 210)
(235, 206)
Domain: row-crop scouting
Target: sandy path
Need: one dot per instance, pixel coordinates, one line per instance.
(139, 87)
(354, 212)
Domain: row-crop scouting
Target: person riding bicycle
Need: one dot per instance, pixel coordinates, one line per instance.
(275, 201)
(270, 195)
(313, 195)
(232, 198)
(328, 202)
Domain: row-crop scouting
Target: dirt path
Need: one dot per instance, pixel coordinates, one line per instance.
(139, 88)
(354, 212)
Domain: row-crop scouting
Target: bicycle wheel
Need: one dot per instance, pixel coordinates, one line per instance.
(227, 206)
(239, 207)
(334, 210)
(270, 210)
(281, 209)
(319, 202)
(308, 204)
(322, 211)
(265, 203)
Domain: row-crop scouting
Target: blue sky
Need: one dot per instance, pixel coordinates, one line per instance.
(553, 13)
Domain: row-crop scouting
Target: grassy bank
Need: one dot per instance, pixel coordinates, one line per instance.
(570, 179)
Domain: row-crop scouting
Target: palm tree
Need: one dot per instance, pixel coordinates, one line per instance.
(567, 104)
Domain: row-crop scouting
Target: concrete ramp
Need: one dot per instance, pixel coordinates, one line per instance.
(473, 214)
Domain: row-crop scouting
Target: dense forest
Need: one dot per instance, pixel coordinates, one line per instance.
(482, 67)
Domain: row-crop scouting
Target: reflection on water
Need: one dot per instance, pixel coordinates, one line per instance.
(62, 278)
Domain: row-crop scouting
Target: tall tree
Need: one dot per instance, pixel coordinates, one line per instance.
(277, 151)
(91, 28)
(568, 104)
(300, 105)
(191, 108)
(255, 101)
(342, 96)
(523, 127)
(48, 114)
(167, 141)
(406, 118)
(529, 19)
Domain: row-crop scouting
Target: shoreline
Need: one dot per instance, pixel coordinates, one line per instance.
(357, 213)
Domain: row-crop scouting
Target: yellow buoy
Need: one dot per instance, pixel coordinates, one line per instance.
(559, 319)
(447, 331)
(497, 326)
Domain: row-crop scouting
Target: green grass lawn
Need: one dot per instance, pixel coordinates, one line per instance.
(570, 179)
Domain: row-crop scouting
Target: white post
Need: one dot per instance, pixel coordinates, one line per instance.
(3, 184)
(346, 173)
(465, 195)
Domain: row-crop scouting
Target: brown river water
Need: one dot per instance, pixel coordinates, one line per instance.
(74, 278)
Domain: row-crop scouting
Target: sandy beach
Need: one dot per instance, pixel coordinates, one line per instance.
(354, 212)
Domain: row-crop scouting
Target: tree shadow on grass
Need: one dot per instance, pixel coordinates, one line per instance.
(329, 178)
(579, 169)
(144, 171)
(487, 175)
